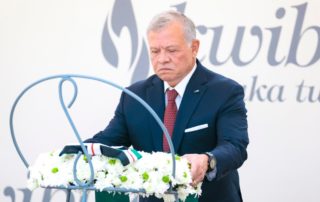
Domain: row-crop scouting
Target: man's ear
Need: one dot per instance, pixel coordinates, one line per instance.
(195, 47)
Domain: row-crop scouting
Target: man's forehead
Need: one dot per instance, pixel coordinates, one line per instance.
(164, 47)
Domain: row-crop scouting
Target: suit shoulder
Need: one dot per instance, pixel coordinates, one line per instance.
(142, 84)
(219, 79)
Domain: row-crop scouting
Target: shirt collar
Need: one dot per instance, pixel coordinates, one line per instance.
(181, 86)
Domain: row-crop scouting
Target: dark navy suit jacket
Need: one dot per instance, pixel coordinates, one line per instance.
(210, 99)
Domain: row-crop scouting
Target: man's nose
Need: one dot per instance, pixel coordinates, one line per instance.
(163, 57)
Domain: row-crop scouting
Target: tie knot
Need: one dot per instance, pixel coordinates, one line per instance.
(172, 94)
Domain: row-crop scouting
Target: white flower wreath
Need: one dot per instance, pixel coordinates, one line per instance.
(153, 172)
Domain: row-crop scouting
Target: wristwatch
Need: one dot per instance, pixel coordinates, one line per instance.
(211, 161)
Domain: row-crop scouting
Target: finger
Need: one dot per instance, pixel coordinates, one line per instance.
(196, 181)
(187, 156)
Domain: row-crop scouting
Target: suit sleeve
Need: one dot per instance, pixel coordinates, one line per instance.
(232, 140)
(116, 133)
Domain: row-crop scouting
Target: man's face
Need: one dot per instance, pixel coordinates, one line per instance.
(172, 57)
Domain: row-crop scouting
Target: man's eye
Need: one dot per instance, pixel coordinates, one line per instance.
(172, 50)
(154, 51)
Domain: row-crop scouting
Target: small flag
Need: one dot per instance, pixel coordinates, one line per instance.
(124, 154)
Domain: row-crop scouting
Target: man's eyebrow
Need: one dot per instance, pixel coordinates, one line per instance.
(166, 47)
(172, 46)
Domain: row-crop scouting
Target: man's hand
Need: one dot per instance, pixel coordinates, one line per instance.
(199, 166)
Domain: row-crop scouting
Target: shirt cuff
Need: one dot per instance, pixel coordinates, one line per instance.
(212, 174)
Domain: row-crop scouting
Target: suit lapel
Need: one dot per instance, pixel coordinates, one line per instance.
(155, 98)
(193, 93)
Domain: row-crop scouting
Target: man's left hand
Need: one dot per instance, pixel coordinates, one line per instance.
(199, 166)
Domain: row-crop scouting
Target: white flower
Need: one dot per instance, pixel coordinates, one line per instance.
(153, 173)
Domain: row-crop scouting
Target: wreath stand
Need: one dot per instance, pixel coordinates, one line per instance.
(89, 185)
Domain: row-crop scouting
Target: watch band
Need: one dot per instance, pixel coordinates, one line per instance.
(210, 159)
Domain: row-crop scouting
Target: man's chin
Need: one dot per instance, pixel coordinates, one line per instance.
(166, 78)
(169, 80)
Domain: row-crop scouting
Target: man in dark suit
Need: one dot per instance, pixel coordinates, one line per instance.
(210, 128)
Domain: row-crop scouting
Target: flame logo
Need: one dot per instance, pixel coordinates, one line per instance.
(122, 16)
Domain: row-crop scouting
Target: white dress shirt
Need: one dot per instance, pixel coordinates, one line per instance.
(180, 87)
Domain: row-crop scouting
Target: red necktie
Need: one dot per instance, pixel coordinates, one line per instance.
(169, 116)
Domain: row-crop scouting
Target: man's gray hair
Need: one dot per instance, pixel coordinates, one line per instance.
(164, 19)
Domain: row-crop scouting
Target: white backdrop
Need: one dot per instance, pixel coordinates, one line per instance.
(271, 48)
